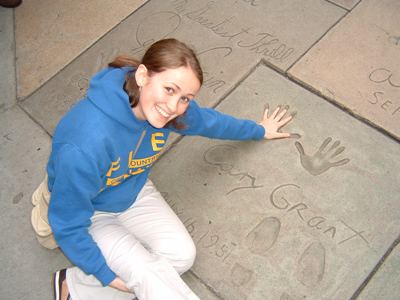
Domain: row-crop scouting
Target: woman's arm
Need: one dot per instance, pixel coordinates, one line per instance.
(76, 181)
(214, 124)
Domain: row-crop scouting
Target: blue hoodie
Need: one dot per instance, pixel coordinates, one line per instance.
(101, 157)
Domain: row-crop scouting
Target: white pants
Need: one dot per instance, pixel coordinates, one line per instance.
(147, 246)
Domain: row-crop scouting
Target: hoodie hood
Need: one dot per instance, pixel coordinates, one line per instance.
(106, 93)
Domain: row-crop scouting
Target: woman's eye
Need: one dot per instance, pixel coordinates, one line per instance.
(185, 99)
(169, 90)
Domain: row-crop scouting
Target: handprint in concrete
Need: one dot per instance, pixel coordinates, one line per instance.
(321, 161)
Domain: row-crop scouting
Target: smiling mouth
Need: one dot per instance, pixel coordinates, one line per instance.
(162, 112)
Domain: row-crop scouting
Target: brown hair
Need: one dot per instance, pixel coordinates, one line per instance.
(162, 55)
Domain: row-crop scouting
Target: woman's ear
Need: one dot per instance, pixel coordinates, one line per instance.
(141, 75)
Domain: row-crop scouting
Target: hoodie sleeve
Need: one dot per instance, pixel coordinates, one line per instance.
(213, 124)
(76, 182)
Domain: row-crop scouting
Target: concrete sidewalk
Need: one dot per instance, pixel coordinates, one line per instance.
(316, 216)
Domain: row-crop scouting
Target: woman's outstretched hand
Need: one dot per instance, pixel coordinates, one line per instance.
(274, 122)
(118, 284)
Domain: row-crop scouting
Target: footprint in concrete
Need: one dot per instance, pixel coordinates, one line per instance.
(241, 275)
(263, 236)
(311, 265)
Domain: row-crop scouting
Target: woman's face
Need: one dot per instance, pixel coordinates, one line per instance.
(164, 95)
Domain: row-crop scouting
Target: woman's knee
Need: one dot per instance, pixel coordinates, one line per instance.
(181, 254)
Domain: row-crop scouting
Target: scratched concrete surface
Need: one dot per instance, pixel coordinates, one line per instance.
(272, 220)
(233, 39)
(26, 268)
(51, 33)
(319, 236)
(385, 285)
(357, 64)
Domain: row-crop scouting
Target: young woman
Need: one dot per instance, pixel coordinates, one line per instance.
(106, 215)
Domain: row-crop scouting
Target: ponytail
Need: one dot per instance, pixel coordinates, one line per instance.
(124, 61)
(130, 86)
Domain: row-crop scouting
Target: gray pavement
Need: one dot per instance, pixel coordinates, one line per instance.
(316, 216)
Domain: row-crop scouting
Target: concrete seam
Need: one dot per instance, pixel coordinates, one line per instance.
(210, 288)
(31, 117)
(338, 5)
(318, 40)
(22, 99)
(236, 84)
(15, 57)
(348, 9)
(341, 106)
(338, 105)
(172, 145)
(145, 3)
(376, 268)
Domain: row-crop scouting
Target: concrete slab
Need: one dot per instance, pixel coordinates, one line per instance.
(347, 4)
(7, 59)
(357, 64)
(282, 219)
(26, 267)
(51, 33)
(228, 41)
(385, 284)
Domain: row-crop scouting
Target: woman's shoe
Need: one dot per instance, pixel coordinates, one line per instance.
(58, 279)
(10, 3)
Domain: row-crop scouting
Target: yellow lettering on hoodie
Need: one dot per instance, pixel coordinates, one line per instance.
(119, 179)
(141, 162)
(114, 167)
(157, 143)
(115, 181)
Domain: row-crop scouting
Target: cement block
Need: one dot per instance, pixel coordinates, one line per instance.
(51, 33)
(385, 283)
(286, 219)
(357, 64)
(7, 59)
(229, 36)
(26, 267)
(347, 4)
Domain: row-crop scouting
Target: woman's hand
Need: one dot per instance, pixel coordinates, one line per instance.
(118, 284)
(274, 122)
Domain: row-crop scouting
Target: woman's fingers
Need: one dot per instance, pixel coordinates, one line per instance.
(285, 121)
(273, 116)
(275, 121)
(266, 108)
(282, 113)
